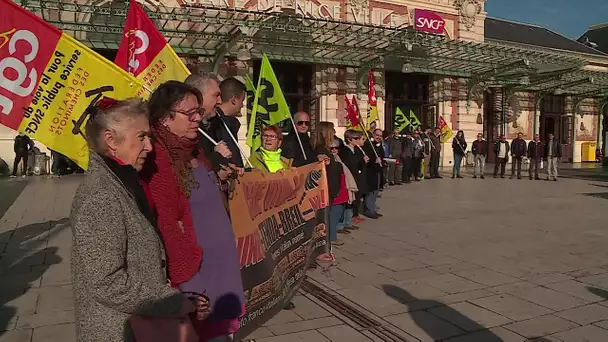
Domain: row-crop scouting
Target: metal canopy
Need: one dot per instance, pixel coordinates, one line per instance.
(285, 36)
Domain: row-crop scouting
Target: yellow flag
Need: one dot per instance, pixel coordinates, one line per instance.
(401, 121)
(269, 105)
(414, 122)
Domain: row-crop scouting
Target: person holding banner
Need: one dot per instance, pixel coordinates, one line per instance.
(459, 147)
(224, 126)
(268, 157)
(353, 157)
(291, 146)
(117, 256)
(374, 149)
(192, 217)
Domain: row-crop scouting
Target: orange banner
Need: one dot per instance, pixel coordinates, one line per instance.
(280, 225)
(145, 53)
(48, 79)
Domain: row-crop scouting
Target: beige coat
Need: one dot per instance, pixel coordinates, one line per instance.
(116, 260)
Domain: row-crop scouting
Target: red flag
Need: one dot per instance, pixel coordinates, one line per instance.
(144, 52)
(351, 115)
(372, 102)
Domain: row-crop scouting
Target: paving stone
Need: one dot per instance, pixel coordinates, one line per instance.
(16, 336)
(469, 317)
(282, 317)
(260, 332)
(361, 268)
(433, 259)
(412, 290)
(576, 289)
(586, 272)
(451, 283)
(62, 332)
(455, 267)
(497, 334)
(8, 320)
(511, 307)
(602, 324)
(599, 280)
(464, 296)
(55, 298)
(588, 333)
(549, 298)
(424, 326)
(550, 279)
(486, 277)
(23, 305)
(368, 296)
(307, 309)
(508, 288)
(45, 319)
(585, 314)
(304, 336)
(541, 326)
(288, 328)
(398, 263)
(416, 273)
(343, 333)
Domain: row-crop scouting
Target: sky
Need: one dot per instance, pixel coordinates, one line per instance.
(568, 17)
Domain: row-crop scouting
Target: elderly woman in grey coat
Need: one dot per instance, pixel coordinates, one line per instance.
(117, 255)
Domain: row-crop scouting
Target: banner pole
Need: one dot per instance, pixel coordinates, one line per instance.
(370, 142)
(236, 142)
(207, 136)
(298, 136)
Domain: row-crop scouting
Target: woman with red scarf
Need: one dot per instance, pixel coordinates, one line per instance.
(192, 217)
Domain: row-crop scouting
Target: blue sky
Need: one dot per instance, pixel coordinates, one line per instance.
(568, 17)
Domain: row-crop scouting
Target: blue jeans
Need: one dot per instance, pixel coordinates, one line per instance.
(370, 202)
(347, 218)
(336, 214)
(457, 163)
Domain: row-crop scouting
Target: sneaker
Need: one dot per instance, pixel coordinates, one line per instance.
(289, 306)
(555, 179)
(344, 231)
(502, 176)
(13, 176)
(353, 227)
(459, 176)
(373, 216)
(337, 243)
(482, 177)
(474, 176)
(453, 176)
(518, 177)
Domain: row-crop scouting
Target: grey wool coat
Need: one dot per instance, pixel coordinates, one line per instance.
(116, 260)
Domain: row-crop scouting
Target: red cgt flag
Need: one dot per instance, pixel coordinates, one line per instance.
(351, 114)
(145, 53)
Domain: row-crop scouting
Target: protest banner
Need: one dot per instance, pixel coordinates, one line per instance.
(269, 105)
(280, 225)
(446, 131)
(48, 80)
(145, 53)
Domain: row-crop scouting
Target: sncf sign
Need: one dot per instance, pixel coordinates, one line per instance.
(427, 21)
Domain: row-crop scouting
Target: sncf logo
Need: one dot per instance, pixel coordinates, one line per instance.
(428, 21)
(134, 37)
(14, 68)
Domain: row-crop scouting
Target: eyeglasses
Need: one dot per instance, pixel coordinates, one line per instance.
(302, 123)
(357, 138)
(190, 113)
(334, 147)
(269, 137)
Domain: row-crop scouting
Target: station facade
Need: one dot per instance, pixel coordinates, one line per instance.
(431, 57)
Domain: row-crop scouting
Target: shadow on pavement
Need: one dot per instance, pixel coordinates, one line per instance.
(430, 327)
(24, 258)
(603, 195)
(598, 292)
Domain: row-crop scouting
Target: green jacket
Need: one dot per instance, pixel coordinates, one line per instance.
(257, 161)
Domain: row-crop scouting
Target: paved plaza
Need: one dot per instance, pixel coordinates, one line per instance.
(464, 260)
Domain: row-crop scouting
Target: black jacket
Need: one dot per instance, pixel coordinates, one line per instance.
(395, 147)
(290, 148)
(557, 149)
(218, 132)
(353, 159)
(479, 147)
(536, 150)
(23, 144)
(518, 148)
(427, 144)
(208, 148)
(373, 169)
(459, 147)
(436, 143)
(408, 148)
(497, 148)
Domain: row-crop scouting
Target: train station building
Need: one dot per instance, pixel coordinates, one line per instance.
(432, 57)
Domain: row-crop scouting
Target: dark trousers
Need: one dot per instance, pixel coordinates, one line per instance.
(434, 164)
(502, 163)
(18, 157)
(357, 204)
(407, 169)
(516, 164)
(416, 164)
(534, 165)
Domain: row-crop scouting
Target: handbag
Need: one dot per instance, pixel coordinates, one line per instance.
(157, 329)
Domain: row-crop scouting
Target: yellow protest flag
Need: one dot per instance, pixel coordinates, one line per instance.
(414, 121)
(269, 105)
(64, 77)
(446, 130)
(401, 121)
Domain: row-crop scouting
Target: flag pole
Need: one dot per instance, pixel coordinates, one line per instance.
(367, 136)
(235, 141)
(207, 136)
(298, 136)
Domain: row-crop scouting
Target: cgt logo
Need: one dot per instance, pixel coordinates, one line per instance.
(133, 36)
(427, 21)
(16, 67)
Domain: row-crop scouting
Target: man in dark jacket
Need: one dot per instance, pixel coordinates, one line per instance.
(373, 149)
(553, 154)
(395, 163)
(435, 138)
(225, 125)
(291, 146)
(536, 154)
(501, 150)
(518, 151)
(408, 157)
(479, 148)
(23, 145)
